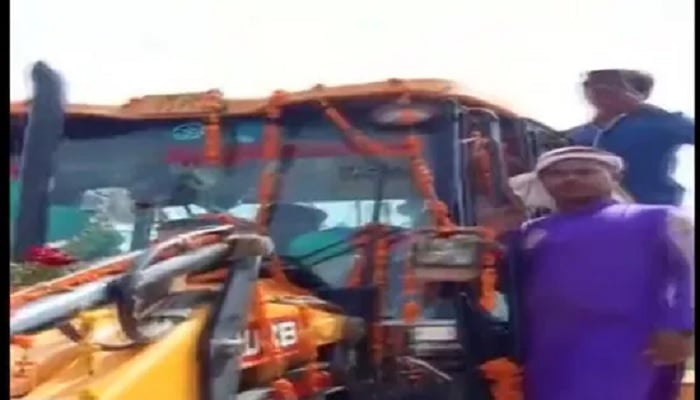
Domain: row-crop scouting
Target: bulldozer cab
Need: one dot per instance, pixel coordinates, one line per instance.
(140, 176)
(342, 180)
(159, 162)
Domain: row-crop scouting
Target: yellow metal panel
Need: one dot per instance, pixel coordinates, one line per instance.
(165, 369)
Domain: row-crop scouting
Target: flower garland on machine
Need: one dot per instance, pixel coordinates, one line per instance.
(267, 193)
(99, 239)
(502, 372)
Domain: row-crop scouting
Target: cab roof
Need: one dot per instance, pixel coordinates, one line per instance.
(188, 105)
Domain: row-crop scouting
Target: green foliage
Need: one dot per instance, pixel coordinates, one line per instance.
(27, 274)
(96, 241)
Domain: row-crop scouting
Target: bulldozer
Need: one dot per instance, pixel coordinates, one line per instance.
(335, 243)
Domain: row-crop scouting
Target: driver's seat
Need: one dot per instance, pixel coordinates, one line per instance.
(327, 253)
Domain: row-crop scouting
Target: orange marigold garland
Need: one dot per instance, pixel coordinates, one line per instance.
(354, 278)
(268, 346)
(212, 100)
(380, 263)
(307, 344)
(504, 374)
(423, 179)
(283, 389)
(356, 138)
(271, 152)
(424, 182)
(212, 141)
(381, 259)
(411, 310)
(506, 380)
(267, 189)
(506, 377)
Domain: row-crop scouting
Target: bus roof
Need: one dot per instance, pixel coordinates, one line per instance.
(188, 105)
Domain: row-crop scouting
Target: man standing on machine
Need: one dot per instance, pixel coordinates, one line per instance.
(645, 136)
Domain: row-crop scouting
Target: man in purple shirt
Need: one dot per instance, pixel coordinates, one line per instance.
(606, 288)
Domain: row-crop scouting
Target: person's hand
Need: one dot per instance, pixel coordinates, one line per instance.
(670, 348)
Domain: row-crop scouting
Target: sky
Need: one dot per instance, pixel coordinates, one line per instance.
(529, 54)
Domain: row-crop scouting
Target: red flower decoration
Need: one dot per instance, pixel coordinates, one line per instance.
(49, 257)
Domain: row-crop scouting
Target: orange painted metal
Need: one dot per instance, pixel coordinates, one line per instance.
(194, 105)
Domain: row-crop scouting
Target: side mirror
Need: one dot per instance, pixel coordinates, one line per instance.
(448, 259)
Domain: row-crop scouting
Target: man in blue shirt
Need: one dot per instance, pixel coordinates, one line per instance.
(645, 136)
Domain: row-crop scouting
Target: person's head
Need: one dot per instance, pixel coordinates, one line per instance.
(617, 90)
(290, 220)
(578, 174)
